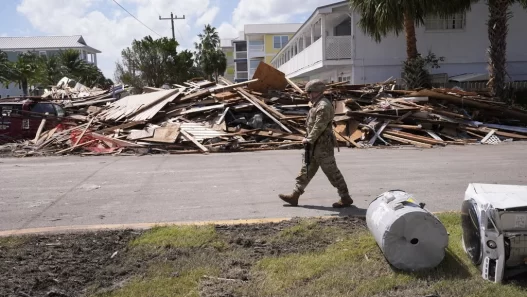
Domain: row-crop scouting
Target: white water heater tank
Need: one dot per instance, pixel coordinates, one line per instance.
(410, 237)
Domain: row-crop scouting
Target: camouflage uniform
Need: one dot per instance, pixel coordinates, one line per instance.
(321, 138)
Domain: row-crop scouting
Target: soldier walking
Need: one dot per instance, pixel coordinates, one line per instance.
(321, 140)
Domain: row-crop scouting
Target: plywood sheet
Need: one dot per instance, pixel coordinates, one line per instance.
(269, 78)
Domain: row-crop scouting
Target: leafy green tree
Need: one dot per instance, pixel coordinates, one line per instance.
(150, 62)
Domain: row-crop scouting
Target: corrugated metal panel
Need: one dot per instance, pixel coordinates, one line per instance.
(200, 132)
(37, 42)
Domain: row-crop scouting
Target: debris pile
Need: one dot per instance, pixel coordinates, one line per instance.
(269, 112)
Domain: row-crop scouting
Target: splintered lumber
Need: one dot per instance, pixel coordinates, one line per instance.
(414, 137)
(299, 90)
(39, 131)
(165, 134)
(339, 135)
(221, 89)
(402, 140)
(191, 138)
(255, 102)
(407, 127)
(500, 133)
(271, 134)
(472, 103)
(82, 134)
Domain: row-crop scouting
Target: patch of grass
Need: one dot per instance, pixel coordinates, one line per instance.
(309, 232)
(284, 272)
(12, 242)
(355, 266)
(184, 284)
(180, 237)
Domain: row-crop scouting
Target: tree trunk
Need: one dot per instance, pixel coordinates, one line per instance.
(497, 31)
(411, 41)
(24, 86)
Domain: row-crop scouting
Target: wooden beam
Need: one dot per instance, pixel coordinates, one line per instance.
(191, 138)
(415, 137)
(255, 102)
(402, 140)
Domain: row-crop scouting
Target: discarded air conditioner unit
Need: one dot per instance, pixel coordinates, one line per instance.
(410, 237)
(494, 224)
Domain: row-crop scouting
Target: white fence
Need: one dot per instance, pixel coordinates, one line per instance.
(338, 47)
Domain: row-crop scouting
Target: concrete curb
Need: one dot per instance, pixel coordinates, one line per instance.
(136, 226)
(143, 226)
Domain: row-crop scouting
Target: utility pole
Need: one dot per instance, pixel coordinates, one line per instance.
(172, 18)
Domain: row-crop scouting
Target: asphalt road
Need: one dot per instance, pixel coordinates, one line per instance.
(70, 191)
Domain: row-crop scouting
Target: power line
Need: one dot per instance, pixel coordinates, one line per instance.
(137, 19)
(152, 3)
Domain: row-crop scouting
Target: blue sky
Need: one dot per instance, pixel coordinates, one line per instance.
(107, 27)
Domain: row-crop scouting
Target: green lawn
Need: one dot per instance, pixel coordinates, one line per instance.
(351, 264)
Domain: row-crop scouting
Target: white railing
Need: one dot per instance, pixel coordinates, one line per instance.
(241, 55)
(338, 47)
(306, 58)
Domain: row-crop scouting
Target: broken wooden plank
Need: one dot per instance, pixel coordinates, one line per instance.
(270, 134)
(414, 137)
(191, 138)
(82, 134)
(167, 134)
(292, 84)
(259, 106)
(403, 140)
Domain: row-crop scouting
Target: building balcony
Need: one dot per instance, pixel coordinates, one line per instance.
(330, 48)
(242, 75)
(240, 56)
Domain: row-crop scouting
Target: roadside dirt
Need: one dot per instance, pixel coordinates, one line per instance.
(84, 264)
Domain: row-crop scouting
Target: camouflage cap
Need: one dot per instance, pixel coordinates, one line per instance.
(315, 85)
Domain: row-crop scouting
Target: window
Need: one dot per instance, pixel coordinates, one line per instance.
(454, 22)
(42, 53)
(280, 41)
(42, 108)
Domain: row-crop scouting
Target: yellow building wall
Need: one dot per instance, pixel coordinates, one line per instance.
(269, 50)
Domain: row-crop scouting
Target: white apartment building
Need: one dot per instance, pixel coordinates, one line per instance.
(44, 46)
(257, 43)
(331, 46)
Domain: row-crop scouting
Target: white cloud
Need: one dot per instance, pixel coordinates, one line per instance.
(226, 30)
(272, 11)
(208, 17)
(115, 30)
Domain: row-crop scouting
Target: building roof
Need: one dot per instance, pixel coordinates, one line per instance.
(44, 42)
(271, 28)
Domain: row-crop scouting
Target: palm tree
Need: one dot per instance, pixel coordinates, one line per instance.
(6, 71)
(209, 56)
(53, 69)
(28, 69)
(499, 14)
(381, 17)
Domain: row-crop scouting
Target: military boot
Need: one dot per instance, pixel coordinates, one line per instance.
(345, 201)
(291, 199)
